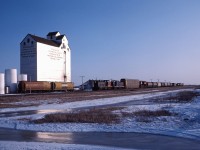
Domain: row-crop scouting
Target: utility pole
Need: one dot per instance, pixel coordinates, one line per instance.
(82, 81)
(30, 85)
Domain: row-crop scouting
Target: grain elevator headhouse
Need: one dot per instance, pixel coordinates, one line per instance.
(46, 59)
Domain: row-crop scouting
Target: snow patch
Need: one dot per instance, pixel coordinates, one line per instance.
(185, 124)
(10, 145)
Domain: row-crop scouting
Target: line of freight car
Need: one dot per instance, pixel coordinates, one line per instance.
(103, 85)
(144, 84)
(113, 84)
(126, 84)
(44, 86)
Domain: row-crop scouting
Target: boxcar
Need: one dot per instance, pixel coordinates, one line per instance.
(130, 83)
(149, 84)
(101, 85)
(155, 84)
(117, 84)
(143, 84)
(179, 84)
(167, 84)
(163, 84)
(159, 84)
(173, 84)
(98, 84)
(108, 84)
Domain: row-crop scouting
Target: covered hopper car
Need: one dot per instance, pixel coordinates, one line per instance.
(44, 86)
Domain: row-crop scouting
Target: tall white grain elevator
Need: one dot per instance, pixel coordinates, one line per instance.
(46, 59)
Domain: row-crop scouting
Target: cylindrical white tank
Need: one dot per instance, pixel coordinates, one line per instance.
(11, 79)
(22, 77)
(2, 83)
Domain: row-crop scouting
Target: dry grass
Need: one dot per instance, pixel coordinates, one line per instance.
(147, 115)
(15, 105)
(84, 116)
(150, 113)
(106, 115)
(185, 96)
(7, 106)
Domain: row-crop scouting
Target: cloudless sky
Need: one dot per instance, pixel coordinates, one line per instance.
(111, 39)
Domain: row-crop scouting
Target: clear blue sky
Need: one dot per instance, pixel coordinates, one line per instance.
(111, 39)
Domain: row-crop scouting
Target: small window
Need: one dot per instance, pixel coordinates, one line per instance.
(24, 43)
(28, 40)
(32, 42)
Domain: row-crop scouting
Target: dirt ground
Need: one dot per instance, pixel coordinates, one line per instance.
(25, 100)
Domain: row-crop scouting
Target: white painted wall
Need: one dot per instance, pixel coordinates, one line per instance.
(68, 64)
(47, 63)
(68, 59)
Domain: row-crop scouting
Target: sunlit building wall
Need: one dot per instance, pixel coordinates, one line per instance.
(46, 59)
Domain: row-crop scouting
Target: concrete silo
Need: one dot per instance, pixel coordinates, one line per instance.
(22, 77)
(11, 80)
(2, 83)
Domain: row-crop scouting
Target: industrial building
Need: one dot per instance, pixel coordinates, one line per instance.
(46, 59)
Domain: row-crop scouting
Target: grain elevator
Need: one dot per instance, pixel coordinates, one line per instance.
(46, 59)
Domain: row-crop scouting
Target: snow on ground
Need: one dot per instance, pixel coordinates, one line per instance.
(90, 103)
(185, 124)
(10, 145)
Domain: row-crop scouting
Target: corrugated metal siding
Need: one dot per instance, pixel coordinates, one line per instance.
(130, 83)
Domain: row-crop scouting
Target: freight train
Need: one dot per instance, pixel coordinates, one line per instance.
(44, 86)
(125, 84)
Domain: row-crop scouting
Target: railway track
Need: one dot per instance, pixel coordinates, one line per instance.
(30, 99)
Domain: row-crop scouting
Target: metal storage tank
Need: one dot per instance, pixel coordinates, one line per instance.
(11, 79)
(2, 83)
(22, 77)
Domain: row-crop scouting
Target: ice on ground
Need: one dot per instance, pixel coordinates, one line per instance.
(10, 145)
(90, 103)
(185, 124)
